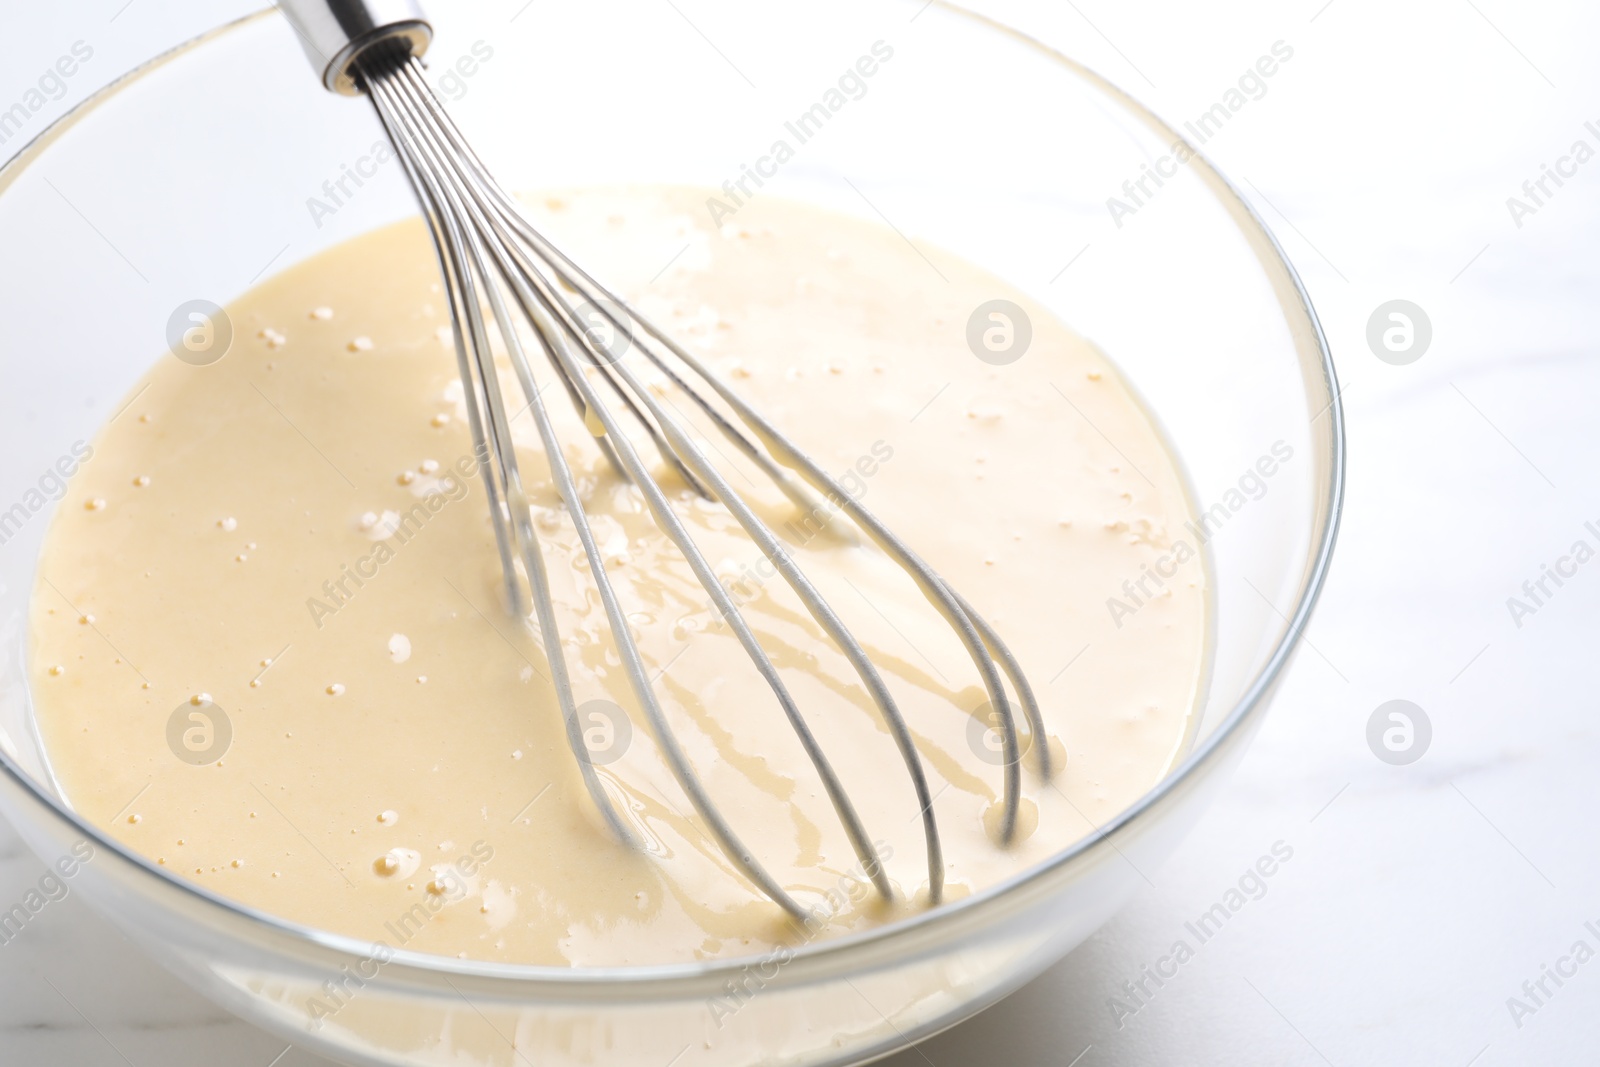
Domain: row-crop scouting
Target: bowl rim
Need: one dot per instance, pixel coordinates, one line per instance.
(1250, 705)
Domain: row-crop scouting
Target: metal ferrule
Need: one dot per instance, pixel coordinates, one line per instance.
(335, 33)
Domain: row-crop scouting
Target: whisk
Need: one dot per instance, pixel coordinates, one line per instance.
(596, 343)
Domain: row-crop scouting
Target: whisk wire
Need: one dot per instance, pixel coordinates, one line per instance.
(500, 475)
(945, 598)
(486, 247)
(557, 348)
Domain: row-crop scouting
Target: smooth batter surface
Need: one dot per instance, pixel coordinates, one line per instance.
(247, 536)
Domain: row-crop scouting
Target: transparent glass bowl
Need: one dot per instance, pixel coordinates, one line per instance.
(190, 178)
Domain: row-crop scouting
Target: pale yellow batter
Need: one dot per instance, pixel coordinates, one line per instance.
(284, 543)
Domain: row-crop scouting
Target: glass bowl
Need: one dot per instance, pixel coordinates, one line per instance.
(193, 176)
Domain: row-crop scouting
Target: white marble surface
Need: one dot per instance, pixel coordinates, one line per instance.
(1418, 898)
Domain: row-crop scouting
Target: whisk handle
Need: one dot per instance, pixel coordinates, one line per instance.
(335, 32)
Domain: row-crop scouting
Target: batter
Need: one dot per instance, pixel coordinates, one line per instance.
(269, 650)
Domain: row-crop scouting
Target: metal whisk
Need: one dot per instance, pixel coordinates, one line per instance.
(490, 254)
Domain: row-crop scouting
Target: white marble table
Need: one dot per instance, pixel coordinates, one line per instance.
(1419, 898)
